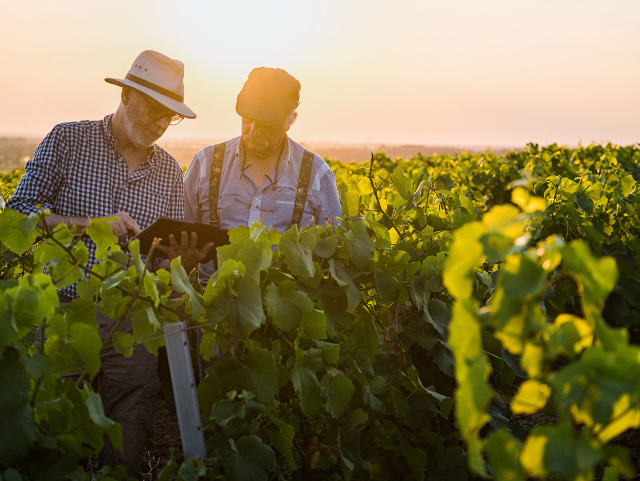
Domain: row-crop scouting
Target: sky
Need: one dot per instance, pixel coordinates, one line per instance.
(461, 72)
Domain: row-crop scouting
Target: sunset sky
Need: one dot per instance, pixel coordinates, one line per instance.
(460, 72)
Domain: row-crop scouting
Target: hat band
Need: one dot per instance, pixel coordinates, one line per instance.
(154, 87)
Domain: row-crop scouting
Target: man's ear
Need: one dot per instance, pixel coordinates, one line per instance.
(126, 95)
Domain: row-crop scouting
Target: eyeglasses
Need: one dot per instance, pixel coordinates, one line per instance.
(157, 113)
(261, 208)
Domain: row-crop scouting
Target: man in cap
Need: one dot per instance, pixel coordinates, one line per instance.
(113, 168)
(261, 175)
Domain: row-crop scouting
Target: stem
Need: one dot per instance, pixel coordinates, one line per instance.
(375, 193)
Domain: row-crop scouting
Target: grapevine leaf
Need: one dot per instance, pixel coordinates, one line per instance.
(15, 381)
(249, 304)
(146, 327)
(17, 231)
(559, 450)
(364, 331)
(262, 374)
(305, 382)
(250, 460)
(597, 276)
(343, 279)
(283, 439)
(314, 324)
(349, 447)
(17, 433)
(531, 397)
(358, 246)
(417, 459)
(465, 254)
(297, 252)
(226, 410)
(95, 409)
(180, 282)
(102, 234)
(503, 452)
(522, 277)
(338, 393)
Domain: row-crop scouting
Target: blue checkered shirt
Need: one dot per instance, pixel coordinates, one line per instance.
(77, 171)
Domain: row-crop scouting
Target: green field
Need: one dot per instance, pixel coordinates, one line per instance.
(472, 316)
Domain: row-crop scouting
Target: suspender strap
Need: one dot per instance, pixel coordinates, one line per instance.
(214, 182)
(303, 187)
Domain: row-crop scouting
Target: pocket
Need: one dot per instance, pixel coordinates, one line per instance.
(152, 386)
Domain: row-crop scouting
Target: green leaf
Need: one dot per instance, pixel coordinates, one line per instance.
(325, 246)
(365, 332)
(416, 457)
(286, 305)
(386, 285)
(249, 304)
(358, 246)
(297, 250)
(560, 450)
(338, 393)
(102, 234)
(146, 326)
(262, 374)
(226, 410)
(17, 231)
(250, 460)
(314, 324)
(349, 447)
(93, 402)
(531, 397)
(15, 382)
(17, 433)
(283, 439)
(86, 344)
(305, 381)
(465, 255)
(597, 276)
(343, 279)
(503, 452)
(180, 282)
(402, 183)
(522, 277)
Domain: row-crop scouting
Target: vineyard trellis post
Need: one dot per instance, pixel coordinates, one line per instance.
(184, 390)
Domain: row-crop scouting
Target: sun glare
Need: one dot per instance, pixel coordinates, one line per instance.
(243, 35)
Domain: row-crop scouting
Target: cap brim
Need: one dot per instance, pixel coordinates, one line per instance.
(173, 105)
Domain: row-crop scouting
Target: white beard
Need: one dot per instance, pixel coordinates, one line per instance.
(137, 136)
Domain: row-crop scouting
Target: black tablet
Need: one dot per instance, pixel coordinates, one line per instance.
(165, 226)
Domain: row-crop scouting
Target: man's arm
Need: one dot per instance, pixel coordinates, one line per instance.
(39, 187)
(43, 175)
(326, 200)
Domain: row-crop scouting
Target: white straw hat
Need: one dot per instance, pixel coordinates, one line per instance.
(159, 77)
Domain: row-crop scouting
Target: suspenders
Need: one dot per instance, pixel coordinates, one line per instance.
(214, 182)
(214, 185)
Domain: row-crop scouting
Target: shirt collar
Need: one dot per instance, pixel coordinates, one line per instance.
(285, 159)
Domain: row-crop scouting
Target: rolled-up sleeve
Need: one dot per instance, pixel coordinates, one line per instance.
(325, 198)
(39, 186)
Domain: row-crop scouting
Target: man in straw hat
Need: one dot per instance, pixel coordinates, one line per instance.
(113, 168)
(262, 175)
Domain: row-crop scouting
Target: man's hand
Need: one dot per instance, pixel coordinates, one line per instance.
(123, 225)
(187, 250)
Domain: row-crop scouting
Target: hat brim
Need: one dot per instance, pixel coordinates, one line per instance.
(175, 106)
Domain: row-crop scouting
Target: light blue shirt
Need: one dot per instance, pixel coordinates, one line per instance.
(243, 200)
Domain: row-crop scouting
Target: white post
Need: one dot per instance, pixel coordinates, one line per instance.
(184, 390)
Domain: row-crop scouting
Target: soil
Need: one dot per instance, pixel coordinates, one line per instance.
(166, 435)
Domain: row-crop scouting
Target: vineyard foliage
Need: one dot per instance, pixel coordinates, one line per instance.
(454, 293)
